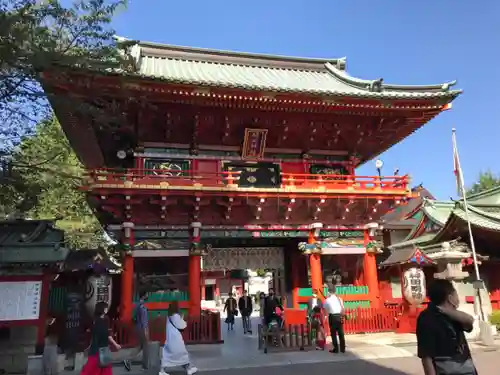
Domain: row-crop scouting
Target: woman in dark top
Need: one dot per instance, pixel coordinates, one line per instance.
(442, 345)
(101, 338)
(231, 308)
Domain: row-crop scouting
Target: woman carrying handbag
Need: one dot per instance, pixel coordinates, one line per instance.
(175, 353)
(99, 360)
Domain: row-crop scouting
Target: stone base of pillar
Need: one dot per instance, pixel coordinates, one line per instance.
(474, 308)
(486, 333)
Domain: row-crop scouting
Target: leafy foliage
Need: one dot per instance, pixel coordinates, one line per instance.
(39, 35)
(487, 180)
(495, 318)
(46, 181)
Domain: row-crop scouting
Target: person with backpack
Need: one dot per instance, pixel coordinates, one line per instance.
(142, 331)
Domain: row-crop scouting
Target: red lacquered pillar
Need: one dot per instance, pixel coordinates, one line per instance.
(315, 260)
(295, 280)
(127, 275)
(370, 275)
(194, 285)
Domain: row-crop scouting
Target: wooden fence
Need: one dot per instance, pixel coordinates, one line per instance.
(203, 329)
(371, 320)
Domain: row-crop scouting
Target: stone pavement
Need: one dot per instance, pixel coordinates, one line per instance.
(240, 352)
(486, 362)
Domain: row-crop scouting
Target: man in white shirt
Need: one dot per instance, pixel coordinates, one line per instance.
(334, 307)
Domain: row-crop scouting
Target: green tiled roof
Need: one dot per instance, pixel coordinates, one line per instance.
(478, 217)
(437, 211)
(31, 241)
(487, 197)
(445, 214)
(423, 239)
(205, 67)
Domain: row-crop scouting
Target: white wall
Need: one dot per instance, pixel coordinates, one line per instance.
(257, 284)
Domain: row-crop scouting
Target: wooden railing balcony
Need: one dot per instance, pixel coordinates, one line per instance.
(237, 181)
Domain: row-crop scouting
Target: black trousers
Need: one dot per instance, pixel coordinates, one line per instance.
(337, 328)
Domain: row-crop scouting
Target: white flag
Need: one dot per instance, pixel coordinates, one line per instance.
(456, 167)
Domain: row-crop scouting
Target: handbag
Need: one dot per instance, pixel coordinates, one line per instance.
(450, 366)
(235, 312)
(104, 357)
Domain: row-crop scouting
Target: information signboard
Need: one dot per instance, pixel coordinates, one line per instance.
(20, 300)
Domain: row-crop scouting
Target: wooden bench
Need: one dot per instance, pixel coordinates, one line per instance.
(290, 338)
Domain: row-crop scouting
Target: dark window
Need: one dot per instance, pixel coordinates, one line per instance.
(209, 293)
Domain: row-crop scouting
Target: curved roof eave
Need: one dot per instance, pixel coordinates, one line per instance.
(290, 74)
(379, 85)
(437, 211)
(249, 57)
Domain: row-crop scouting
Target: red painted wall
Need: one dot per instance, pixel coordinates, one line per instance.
(295, 167)
(208, 169)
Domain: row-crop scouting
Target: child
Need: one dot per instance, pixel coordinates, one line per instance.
(317, 324)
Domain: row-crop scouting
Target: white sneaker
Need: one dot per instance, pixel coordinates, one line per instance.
(163, 372)
(192, 370)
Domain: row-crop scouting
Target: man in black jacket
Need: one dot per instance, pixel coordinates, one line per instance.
(270, 305)
(246, 307)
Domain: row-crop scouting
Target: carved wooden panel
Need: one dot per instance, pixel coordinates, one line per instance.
(243, 258)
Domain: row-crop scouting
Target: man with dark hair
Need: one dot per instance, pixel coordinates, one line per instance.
(246, 307)
(271, 303)
(440, 333)
(334, 307)
(142, 329)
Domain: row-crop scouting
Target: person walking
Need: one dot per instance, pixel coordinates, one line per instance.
(231, 309)
(175, 353)
(245, 306)
(142, 330)
(441, 341)
(99, 355)
(334, 307)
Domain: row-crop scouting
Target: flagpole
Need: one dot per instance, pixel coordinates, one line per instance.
(467, 218)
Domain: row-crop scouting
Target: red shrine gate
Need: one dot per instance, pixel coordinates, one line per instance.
(198, 145)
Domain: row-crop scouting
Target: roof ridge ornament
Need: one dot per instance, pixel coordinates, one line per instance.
(130, 53)
(376, 85)
(446, 86)
(341, 63)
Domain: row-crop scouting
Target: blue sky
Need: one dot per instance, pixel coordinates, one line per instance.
(405, 42)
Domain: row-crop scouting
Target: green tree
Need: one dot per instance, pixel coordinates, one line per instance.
(47, 177)
(261, 272)
(487, 180)
(37, 36)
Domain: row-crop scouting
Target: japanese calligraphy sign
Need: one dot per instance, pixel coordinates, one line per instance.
(254, 143)
(98, 289)
(414, 289)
